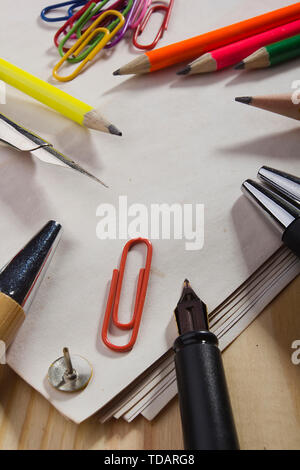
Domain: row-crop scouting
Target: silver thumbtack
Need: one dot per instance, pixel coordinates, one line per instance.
(70, 375)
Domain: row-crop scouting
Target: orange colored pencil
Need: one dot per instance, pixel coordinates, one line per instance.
(194, 47)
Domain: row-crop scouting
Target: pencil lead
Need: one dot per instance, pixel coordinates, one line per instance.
(240, 65)
(113, 130)
(116, 72)
(184, 71)
(244, 99)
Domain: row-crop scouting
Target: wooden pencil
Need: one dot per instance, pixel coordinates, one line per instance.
(284, 104)
(191, 48)
(229, 55)
(60, 101)
(272, 54)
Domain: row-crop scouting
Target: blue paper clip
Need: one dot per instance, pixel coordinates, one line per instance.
(74, 4)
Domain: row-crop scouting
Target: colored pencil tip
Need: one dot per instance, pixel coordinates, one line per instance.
(244, 99)
(116, 72)
(184, 71)
(186, 283)
(113, 130)
(240, 65)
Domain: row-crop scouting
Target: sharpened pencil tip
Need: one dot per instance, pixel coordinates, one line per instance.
(113, 130)
(240, 65)
(186, 283)
(244, 99)
(116, 72)
(184, 71)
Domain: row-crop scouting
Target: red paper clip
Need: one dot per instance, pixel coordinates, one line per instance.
(70, 23)
(164, 26)
(114, 297)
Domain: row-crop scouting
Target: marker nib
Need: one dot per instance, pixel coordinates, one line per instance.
(184, 71)
(116, 72)
(190, 312)
(113, 130)
(240, 65)
(244, 99)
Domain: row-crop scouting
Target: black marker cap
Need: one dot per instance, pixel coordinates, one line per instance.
(284, 183)
(280, 210)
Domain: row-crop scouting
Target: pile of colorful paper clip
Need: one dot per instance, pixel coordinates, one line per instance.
(97, 25)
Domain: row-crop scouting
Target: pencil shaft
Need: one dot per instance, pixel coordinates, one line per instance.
(284, 50)
(194, 47)
(44, 92)
(280, 104)
(51, 96)
(231, 54)
(273, 54)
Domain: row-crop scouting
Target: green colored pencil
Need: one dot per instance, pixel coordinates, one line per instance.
(272, 54)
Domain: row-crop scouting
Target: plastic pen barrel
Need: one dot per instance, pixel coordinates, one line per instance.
(291, 237)
(207, 419)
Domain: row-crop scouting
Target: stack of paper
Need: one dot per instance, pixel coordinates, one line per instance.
(185, 141)
(227, 321)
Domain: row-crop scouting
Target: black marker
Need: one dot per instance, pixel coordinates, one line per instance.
(282, 211)
(286, 184)
(206, 415)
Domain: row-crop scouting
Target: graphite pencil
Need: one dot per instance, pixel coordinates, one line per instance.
(284, 104)
(57, 99)
(272, 54)
(229, 55)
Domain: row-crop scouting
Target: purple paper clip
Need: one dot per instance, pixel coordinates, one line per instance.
(125, 28)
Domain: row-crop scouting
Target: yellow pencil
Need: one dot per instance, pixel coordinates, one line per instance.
(72, 108)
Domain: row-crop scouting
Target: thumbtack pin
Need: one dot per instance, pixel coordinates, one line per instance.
(70, 375)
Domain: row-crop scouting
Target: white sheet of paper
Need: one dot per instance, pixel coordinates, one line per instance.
(184, 141)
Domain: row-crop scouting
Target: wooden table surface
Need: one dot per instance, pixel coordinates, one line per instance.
(264, 386)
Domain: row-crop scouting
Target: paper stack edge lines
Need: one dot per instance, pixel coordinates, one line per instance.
(228, 321)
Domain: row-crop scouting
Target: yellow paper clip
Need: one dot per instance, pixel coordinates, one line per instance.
(85, 39)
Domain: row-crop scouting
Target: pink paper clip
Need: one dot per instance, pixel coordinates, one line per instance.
(139, 13)
(113, 301)
(164, 26)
